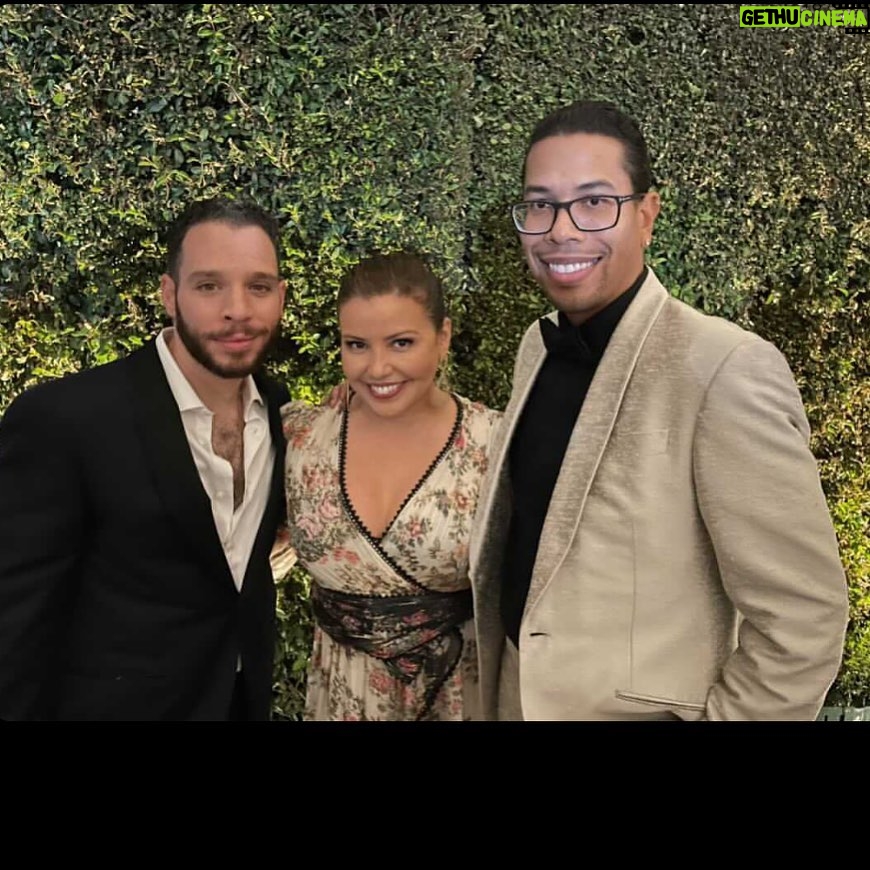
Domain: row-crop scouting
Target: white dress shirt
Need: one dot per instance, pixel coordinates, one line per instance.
(237, 528)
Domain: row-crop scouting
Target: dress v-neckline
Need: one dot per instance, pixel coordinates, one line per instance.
(361, 527)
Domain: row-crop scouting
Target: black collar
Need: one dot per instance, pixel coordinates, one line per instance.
(587, 342)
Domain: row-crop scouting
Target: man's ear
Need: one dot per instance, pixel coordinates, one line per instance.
(167, 294)
(650, 207)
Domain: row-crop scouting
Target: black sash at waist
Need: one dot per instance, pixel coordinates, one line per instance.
(410, 634)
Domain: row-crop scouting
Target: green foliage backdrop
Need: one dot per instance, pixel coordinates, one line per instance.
(389, 125)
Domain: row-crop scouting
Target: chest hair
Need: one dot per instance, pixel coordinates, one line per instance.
(227, 441)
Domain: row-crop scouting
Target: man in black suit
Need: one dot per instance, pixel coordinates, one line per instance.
(139, 503)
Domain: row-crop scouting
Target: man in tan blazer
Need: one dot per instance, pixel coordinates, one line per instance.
(652, 540)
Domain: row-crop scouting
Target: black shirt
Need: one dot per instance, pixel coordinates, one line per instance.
(541, 437)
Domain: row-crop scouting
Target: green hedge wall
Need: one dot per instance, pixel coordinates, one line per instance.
(385, 125)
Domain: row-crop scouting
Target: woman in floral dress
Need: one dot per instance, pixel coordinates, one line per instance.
(381, 493)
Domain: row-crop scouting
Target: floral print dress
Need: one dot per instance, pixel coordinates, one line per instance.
(424, 551)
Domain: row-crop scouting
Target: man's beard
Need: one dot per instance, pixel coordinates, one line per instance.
(197, 349)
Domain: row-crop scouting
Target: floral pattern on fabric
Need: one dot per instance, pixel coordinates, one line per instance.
(425, 548)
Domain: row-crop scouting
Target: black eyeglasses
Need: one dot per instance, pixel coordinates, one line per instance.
(590, 214)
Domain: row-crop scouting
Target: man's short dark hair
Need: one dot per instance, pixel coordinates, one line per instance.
(604, 119)
(238, 213)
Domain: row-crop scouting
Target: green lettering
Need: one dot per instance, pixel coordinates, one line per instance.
(777, 16)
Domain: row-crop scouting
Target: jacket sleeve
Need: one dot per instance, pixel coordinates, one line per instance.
(761, 499)
(41, 521)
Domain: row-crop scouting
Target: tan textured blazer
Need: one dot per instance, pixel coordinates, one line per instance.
(687, 565)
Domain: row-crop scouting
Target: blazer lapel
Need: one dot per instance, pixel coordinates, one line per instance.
(592, 432)
(493, 512)
(275, 397)
(174, 472)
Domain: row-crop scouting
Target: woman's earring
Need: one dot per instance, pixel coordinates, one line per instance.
(442, 379)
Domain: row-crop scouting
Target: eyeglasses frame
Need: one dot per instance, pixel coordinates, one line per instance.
(566, 205)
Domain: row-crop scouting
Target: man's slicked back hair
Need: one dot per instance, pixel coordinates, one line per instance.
(602, 119)
(238, 213)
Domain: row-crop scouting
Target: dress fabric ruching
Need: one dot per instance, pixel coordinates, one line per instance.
(393, 634)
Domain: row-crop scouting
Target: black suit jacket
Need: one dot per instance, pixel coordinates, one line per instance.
(116, 599)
